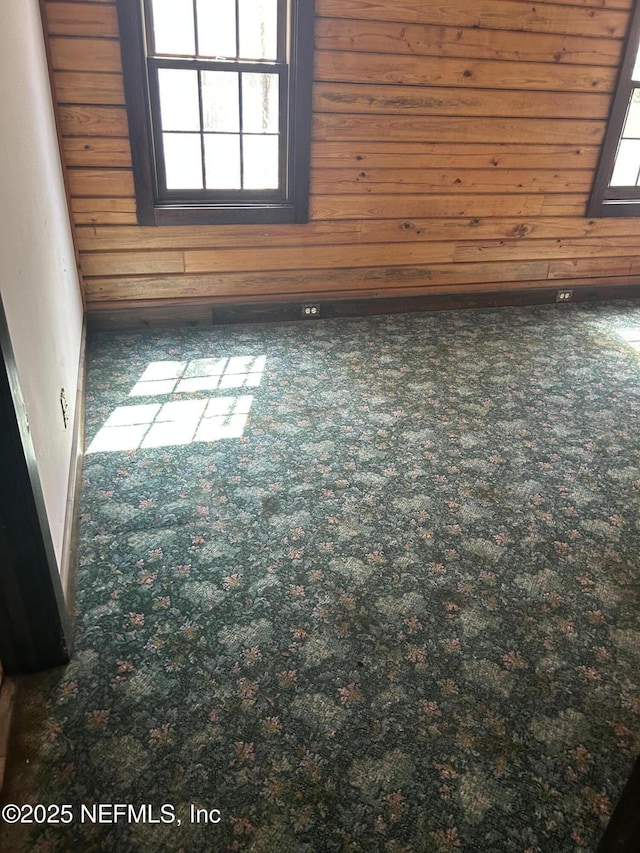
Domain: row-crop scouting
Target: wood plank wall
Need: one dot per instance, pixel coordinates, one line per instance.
(454, 147)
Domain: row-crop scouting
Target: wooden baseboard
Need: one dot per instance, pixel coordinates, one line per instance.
(199, 314)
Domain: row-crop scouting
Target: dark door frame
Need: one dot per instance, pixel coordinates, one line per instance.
(35, 626)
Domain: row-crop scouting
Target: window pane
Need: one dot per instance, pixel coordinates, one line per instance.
(182, 161)
(220, 101)
(179, 99)
(258, 29)
(173, 26)
(261, 162)
(625, 172)
(632, 124)
(217, 28)
(222, 159)
(260, 103)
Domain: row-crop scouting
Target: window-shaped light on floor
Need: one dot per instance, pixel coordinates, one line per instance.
(225, 417)
(160, 377)
(180, 421)
(125, 428)
(173, 424)
(176, 423)
(200, 374)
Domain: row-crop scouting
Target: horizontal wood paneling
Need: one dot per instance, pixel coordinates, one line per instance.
(349, 98)
(608, 4)
(106, 211)
(454, 147)
(318, 233)
(88, 19)
(401, 128)
(362, 255)
(432, 40)
(95, 183)
(286, 283)
(510, 250)
(130, 263)
(594, 268)
(515, 15)
(428, 181)
(97, 151)
(93, 121)
(75, 54)
(287, 258)
(400, 206)
(466, 73)
(433, 155)
(79, 87)
(92, 239)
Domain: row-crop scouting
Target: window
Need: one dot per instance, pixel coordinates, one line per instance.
(616, 190)
(219, 104)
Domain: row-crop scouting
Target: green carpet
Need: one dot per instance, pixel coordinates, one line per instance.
(358, 585)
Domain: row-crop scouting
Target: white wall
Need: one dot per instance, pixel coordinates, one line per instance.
(38, 279)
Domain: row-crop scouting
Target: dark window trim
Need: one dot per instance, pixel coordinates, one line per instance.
(297, 122)
(618, 201)
(172, 197)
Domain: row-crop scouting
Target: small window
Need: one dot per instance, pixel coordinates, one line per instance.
(219, 104)
(616, 190)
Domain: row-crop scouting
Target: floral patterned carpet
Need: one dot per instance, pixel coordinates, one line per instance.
(350, 585)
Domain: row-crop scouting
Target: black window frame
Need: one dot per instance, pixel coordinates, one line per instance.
(155, 205)
(606, 200)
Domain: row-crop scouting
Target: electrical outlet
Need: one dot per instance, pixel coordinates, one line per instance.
(310, 310)
(564, 295)
(65, 408)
